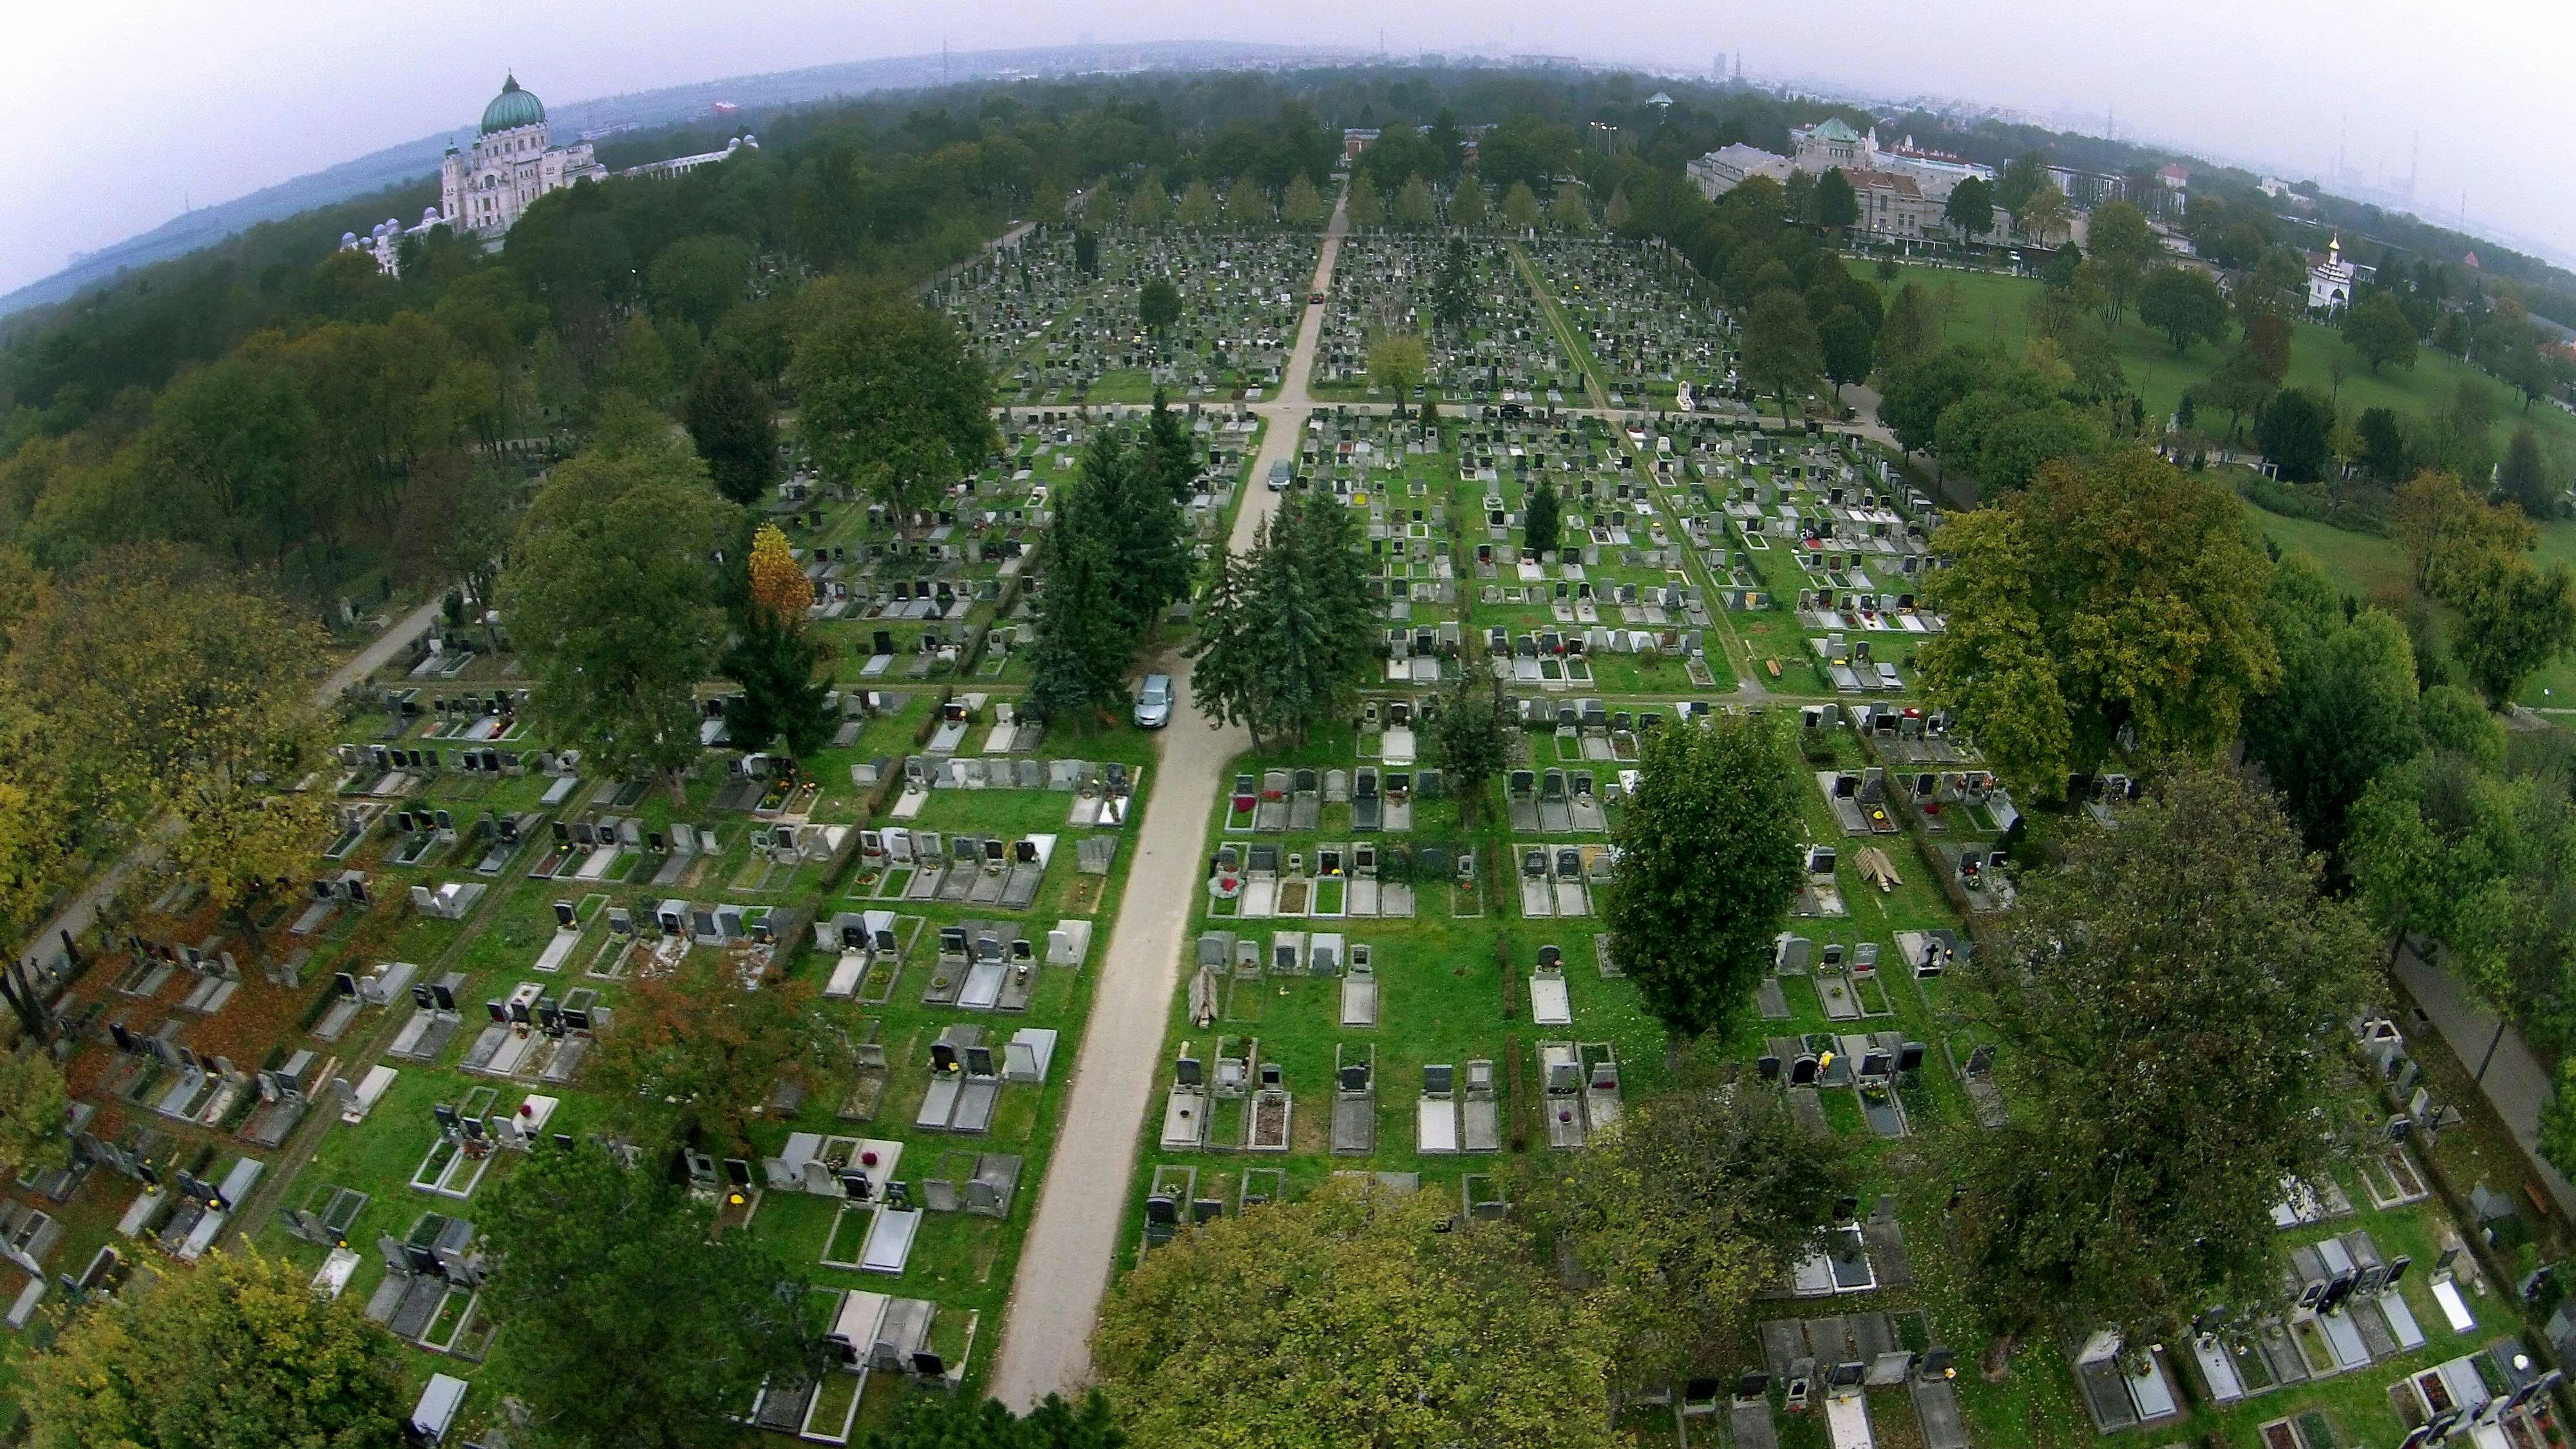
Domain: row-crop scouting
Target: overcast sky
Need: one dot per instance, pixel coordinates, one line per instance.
(128, 106)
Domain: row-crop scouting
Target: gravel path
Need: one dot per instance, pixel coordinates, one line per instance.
(1073, 1243)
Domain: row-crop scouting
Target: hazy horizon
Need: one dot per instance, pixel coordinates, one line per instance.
(141, 106)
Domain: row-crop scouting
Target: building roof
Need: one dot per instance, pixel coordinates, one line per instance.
(512, 108)
(1887, 181)
(1833, 129)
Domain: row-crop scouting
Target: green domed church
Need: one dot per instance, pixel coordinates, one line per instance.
(512, 164)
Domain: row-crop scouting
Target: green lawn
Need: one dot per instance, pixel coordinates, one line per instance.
(1993, 310)
(2368, 567)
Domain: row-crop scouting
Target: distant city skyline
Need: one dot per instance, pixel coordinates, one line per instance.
(139, 107)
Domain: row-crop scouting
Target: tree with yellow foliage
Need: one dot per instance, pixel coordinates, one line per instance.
(2444, 525)
(182, 693)
(777, 583)
(236, 1350)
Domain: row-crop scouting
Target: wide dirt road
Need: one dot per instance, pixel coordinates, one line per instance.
(1073, 1243)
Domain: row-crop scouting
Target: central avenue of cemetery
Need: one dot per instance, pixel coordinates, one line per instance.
(1377, 980)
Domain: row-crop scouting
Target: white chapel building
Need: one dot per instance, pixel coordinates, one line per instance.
(482, 192)
(512, 164)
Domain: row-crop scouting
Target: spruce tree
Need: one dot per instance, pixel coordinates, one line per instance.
(1082, 645)
(1540, 522)
(1139, 525)
(1171, 456)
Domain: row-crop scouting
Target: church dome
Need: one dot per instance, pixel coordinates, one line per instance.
(512, 108)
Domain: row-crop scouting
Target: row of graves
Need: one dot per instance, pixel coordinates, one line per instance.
(2374, 1334)
(1648, 327)
(1080, 339)
(1826, 531)
(474, 940)
(912, 596)
(1914, 770)
(1615, 605)
(1505, 352)
(1337, 1014)
(1043, 448)
(1006, 301)
(1393, 475)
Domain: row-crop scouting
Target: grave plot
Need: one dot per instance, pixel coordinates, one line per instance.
(905, 600)
(1642, 323)
(1008, 301)
(1241, 297)
(1615, 606)
(1853, 1027)
(1339, 1010)
(1824, 552)
(1506, 352)
(1395, 474)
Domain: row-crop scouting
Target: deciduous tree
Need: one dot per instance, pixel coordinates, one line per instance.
(2043, 214)
(1782, 352)
(2345, 706)
(1708, 864)
(1414, 209)
(626, 1322)
(697, 279)
(699, 1049)
(2133, 582)
(185, 693)
(33, 1136)
(1198, 205)
(611, 596)
(2444, 527)
(238, 1350)
(1303, 206)
(2515, 619)
(1354, 1316)
(2184, 305)
(2162, 1007)
(1362, 205)
(2122, 247)
(1971, 208)
(1467, 206)
(889, 399)
(1571, 209)
(2376, 328)
(1396, 363)
(1700, 1200)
